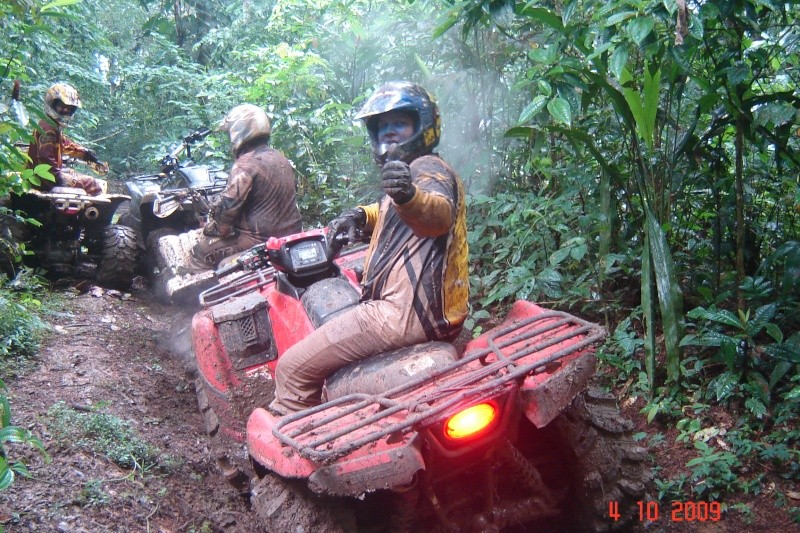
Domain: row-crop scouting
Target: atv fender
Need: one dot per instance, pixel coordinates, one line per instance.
(212, 359)
(551, 389)
(265, 449)
(379, 465)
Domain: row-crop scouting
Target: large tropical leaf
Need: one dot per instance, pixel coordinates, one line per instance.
(669, 295)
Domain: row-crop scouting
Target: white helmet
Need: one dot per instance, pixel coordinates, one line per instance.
(244, 123)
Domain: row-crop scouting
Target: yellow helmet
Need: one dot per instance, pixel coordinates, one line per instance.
(61, 101)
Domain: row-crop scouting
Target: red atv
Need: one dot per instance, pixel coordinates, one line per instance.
(500, 436)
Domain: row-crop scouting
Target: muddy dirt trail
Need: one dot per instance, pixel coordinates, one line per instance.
(120, 354)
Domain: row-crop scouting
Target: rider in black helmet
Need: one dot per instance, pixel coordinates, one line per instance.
(415, 285)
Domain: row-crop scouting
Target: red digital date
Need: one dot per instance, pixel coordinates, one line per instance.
(696, 511)
(681, 511)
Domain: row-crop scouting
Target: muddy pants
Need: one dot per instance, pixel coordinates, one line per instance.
(368, 329)
(209, 251)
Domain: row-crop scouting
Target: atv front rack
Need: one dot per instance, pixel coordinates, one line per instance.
(244, 283)
(327, 432)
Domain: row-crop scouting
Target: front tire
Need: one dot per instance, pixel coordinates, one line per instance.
(226, 454)
(117, 266)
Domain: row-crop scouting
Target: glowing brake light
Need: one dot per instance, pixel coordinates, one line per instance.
(470, 421)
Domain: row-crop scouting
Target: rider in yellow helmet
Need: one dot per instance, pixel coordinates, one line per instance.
(50, 144)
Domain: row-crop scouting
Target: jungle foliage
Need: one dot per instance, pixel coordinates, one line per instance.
(633, 160)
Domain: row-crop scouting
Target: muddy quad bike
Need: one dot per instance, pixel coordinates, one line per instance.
(76, 237)
(502, 434)
(173, 201)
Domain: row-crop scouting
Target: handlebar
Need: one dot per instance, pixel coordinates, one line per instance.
(170, 161)
(252, 259)
(197, 135)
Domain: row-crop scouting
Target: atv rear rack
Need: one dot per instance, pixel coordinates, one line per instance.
(319, 433)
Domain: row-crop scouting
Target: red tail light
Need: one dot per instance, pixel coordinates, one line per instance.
(470, 421)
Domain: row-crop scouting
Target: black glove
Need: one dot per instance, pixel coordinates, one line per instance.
(350, 223)
(91, 156)
(396, 177)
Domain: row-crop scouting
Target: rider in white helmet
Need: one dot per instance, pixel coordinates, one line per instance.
(259, 200)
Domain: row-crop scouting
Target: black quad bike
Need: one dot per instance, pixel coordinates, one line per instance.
(76, 237)
(502, 434)
(174, 200)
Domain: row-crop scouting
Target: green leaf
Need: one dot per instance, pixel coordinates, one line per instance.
(618, 61)
(648, 316)
(640, 28)
(541, 15)
(756, 407)
(6, 474)
(669, 296)
(58, 3)
(721, 316)
(774, 331)
(559, 109)
(650, 99)
(451, 20)
(723, 385)
(532, 109)
(785, 351)
(13, 434)
(426, 72)
(5, 412)
(760, 318)
(616, 18)
(519, 132)
(559, 255)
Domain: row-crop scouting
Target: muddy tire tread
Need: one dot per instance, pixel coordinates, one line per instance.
(120, 252)
(288, 506)
(608, 465)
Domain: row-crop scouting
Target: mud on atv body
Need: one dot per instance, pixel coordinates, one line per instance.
(175, 199)
(388, 437)
(76, 237)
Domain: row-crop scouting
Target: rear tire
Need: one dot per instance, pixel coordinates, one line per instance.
(288, 506)
(117, 266)
(125, 217)
(13, 233)
(606, 465)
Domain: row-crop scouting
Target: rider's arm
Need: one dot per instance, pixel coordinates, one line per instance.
(73, 149)
(371, 211)
(226, 210)
(431, 211)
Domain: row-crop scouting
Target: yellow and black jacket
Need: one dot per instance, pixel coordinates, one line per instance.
(418, 250)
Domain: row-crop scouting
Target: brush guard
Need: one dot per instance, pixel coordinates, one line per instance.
(318, 433)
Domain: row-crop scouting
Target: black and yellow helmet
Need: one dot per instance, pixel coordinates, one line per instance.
(403, 96)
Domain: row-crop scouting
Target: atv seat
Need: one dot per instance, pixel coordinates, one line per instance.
(380, 373)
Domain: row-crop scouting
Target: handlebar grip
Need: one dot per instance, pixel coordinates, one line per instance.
(198, 135)
(224, 271)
